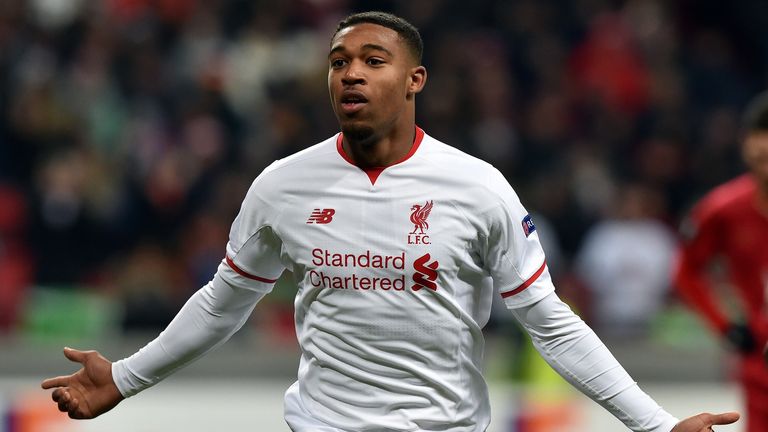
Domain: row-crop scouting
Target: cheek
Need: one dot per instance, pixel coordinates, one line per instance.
(396, 88)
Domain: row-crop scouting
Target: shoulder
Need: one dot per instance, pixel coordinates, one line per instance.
(293, 172)
(441, 153)
(730, 196)
(306, 158)
(473, 172)
(476, 186)
(298, 168)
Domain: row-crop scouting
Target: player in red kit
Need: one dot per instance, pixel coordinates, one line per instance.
(730, 225)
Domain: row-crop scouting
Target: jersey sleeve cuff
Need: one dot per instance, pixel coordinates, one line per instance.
(640, 412)
(669, 423)
(124, 380)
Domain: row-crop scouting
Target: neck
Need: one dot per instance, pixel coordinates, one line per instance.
(379, 151)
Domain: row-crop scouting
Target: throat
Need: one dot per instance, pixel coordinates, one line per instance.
(371, 156)
(377, 155)
(368, 150)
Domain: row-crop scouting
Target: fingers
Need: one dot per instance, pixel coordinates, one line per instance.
(63, 398)
(718, 419)
(65, 380)
(59, 381)
(75, 355)
(63, 402)
(724, 418)
(67, 402)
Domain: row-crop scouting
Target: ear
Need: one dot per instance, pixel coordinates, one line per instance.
(417, 78)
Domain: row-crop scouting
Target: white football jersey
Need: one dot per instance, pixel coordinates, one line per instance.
(396, 269)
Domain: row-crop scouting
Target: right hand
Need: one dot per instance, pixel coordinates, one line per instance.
(704, 422)
(89, 392)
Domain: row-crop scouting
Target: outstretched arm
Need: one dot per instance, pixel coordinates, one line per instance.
(576, 353)
(209, 318)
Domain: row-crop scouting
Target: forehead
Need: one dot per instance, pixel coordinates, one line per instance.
(359, 35)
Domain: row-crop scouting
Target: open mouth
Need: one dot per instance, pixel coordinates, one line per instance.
(352, 101)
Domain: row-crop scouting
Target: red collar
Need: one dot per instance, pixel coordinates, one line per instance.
(374, 172)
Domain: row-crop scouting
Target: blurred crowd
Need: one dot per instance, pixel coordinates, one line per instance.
(130, 130)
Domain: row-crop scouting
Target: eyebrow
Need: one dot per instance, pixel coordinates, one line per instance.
(368, 46)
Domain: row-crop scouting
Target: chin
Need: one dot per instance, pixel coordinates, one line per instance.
(357, 132)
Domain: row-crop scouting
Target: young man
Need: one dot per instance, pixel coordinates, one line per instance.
(730, 224)
(396, 242)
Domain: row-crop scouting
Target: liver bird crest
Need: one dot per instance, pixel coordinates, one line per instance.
(419, 217)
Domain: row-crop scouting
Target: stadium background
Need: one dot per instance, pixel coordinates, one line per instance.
(131, 129)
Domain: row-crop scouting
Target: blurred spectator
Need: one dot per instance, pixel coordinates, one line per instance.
(625, 263)
(121, 120)
(607, 67)
(64, 236)
(16, 267)
(147, 281)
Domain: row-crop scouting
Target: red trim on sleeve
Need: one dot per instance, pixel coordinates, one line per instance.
(243, 273)
(374, 172)
(527, 283)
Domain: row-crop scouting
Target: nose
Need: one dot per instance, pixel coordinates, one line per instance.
(353, 75)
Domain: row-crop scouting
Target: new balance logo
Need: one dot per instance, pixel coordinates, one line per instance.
(321, 216)
(426, 274)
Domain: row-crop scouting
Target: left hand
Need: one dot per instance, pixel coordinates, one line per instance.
(704, 422)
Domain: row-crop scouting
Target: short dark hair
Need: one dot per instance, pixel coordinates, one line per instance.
(756, 114)
(407, 32)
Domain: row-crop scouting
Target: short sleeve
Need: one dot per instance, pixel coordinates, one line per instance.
(253, 251)
(514, 256)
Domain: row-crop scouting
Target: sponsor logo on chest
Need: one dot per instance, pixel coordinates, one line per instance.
(353, 271)
(373, 270)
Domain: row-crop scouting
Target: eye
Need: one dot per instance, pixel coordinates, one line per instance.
(374, 61)
(337, 63)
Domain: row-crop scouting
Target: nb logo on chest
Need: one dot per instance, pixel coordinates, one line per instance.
(321, 216)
